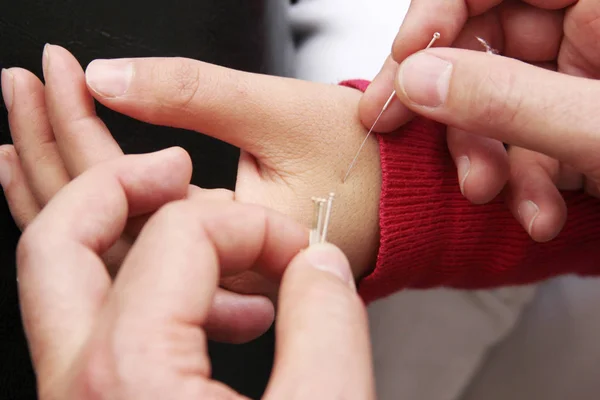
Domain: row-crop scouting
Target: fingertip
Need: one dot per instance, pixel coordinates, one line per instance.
(543, 223)
(375, 97)
(58, 57)
(24, 81)
(179, 156)
(533, 196)
(542, 212)
(485, 181)
(483, 167)
(173, 160)
(327, 258)
(149, 180)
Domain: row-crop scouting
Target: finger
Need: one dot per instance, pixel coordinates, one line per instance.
(21, 201)
(531, 33)
(32, 134)
(486, 25)
(424, 17)
(62, 280)
(238, 318)
(505, 99)
(82, 138)
(482, 165)
(551, 4)
(580, 50)
(233, 317)
(533, 196)
(375, 97)
(322, 331)
(198, 237)
(232, 106)
(161, 299)
(421, 21)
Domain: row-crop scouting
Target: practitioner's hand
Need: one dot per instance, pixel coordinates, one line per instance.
(557, 35)
(543, 111)
(143, 336)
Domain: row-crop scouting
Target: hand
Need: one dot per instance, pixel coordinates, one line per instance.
(143, 336)
(557, 35)
(47, 123)
(297, 140)
(523, 105)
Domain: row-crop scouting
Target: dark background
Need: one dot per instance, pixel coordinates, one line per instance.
(246, 35)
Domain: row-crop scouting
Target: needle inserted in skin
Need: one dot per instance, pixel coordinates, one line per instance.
(435, 37)
(321, 216)
(327, 217)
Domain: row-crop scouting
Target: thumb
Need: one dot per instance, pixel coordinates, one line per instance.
(322, 332)
(505, 99)
(240, 108)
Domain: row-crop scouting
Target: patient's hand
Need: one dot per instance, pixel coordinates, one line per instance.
(297, 138)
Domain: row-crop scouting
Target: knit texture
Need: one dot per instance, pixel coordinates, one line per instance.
(431, 236)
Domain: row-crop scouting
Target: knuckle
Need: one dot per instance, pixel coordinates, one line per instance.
(182, 80)
(497, 100)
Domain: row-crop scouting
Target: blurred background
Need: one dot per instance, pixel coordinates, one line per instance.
(512, 343)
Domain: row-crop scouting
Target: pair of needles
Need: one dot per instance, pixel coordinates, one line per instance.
(435, 37)
(321, 217)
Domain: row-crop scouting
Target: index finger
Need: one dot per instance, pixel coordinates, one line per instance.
(423, 19)
(82, 138)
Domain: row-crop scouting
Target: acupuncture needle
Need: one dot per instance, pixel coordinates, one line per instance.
(435, 37)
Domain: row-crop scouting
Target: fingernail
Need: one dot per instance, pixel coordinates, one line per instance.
(5, 172)
(528, 211)
(463, 167)
(45, 59)
(8, 88)
(109, 78)
(425, 79)
(326, 257)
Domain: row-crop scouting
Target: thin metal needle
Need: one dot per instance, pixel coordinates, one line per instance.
(327, 217)
(435, 37)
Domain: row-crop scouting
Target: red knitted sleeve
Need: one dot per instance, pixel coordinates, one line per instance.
(431, 236)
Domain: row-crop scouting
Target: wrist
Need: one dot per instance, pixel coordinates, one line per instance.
(357, 223)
